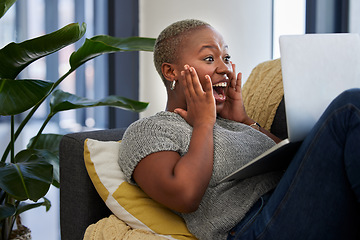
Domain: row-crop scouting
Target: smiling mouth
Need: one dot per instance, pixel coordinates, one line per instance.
(219, 91)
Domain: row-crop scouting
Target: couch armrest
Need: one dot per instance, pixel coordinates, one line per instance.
(80, 204)
(279, 125)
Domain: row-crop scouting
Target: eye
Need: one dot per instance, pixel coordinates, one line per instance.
(209, 59)
(227, 58)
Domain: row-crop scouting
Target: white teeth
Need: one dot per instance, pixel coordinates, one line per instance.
(221, 84)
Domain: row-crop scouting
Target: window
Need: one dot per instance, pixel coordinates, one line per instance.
(289, 18)
(31, 18)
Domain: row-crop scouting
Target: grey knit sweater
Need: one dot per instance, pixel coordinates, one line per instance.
(235, 144)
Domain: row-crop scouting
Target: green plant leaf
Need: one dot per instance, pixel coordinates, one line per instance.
(29, 178)
(27, 206)
(7, 210)
(62, 101)
(17, 96)
(127, 44)
(102, 44)
(48, 142)
(5, 5)
(14, 57)
(45, 155)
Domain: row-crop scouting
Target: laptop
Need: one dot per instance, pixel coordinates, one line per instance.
(316, 68)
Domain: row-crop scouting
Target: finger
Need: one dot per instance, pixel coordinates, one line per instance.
(189, 80)
(238, 82)
(186, 82)
(208, 84)
(183, 83)
(233, 67)
(181, 112)
(195, 81)
(233, 80)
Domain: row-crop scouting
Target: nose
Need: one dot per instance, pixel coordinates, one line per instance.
(223, 68)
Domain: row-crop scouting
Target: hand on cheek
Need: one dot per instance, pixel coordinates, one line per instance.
(234, 107)
(199, 99)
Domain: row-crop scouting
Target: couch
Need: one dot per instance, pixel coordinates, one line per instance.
(81, 205)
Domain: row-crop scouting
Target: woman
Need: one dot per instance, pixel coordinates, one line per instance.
(178, 156)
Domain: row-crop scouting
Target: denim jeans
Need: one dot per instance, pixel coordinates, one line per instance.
(319, 195)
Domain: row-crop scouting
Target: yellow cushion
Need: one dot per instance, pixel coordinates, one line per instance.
(128, 202)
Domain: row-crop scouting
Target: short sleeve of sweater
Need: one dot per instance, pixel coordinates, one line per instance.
(164, 131)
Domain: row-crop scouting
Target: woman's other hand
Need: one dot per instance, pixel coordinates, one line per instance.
(234, 106)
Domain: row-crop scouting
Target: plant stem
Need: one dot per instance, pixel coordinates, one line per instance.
(31, 113)
(41, 130)
(8, 222)
(12, 220)
(12, 139)
(3, 223)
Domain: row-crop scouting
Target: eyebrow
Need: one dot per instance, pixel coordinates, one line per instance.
(210, 46)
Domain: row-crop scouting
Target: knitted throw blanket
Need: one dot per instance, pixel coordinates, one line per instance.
(263, 92)
(116, 229)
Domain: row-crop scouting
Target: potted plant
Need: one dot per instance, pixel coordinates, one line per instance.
(27, 174)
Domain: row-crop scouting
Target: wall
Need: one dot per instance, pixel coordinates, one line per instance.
(354, 16)
(245, 25)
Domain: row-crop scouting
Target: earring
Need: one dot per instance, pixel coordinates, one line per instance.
(172, 87)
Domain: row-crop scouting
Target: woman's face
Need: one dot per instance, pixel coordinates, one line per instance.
(205, 50)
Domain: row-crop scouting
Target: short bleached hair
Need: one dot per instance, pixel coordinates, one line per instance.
(169, 41)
